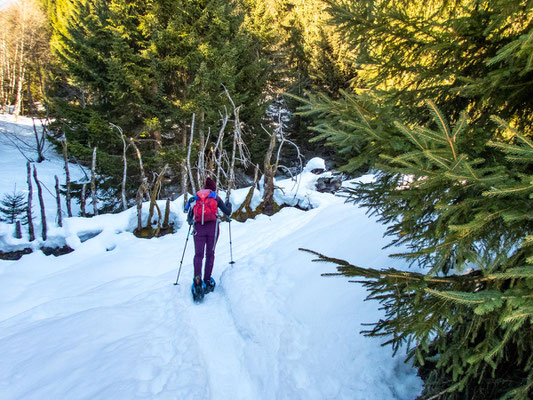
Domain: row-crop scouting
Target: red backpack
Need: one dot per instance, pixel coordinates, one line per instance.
(205, 206)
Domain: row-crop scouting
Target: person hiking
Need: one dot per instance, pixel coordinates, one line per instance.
(203, 214)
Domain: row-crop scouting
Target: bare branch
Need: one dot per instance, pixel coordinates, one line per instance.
(193, 186)
(93, 183)
(125, 166)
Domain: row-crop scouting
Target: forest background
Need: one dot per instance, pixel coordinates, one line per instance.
(434, 97)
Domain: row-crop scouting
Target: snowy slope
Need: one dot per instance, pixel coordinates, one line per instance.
(106, 321)
(17, 138)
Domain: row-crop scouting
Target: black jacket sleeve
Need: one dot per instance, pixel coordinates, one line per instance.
(224, 207)
(190, 217)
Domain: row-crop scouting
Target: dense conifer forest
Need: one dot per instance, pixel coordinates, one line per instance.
(435, 98)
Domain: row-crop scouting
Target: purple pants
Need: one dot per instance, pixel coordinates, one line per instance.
(204, 242)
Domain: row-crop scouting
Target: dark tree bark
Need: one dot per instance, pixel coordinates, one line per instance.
(41, 203)
(28, 210)
(153, 197)
(58, 201)
(143, 188)
(167, 214)
(83, 200)
(68, 196)
(268, 184)
(18, 230)
(93, 183)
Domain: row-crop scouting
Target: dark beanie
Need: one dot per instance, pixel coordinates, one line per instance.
(210, 184)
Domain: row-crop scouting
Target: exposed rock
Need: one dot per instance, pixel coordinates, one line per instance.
(14, 255)
(57, 251)
(328, 185)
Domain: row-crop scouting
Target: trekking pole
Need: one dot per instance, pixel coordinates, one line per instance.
(183, 255)
(230, 244)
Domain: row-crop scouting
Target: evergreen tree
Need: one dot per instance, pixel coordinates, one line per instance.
(456, 195)
(470, 333)
(147, 66)
(12, 207)
(196, 47)
(461, 54)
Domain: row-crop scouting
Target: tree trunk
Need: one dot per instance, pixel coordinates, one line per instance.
(67, 175)
(219, 148)
(124, 174)
(18, 101)
(18, 230)
(41, 203)
(28, 209)
(83, 200)
(268, 181)
(39, 140)
(200, 172)
(193, 186)
(143, 188)
(58, 201)
(124, 168)
(139, 157)
(184, 172)
(3, 74)
(167, 214)
(93, 183)
(153, 196)
(245, 207)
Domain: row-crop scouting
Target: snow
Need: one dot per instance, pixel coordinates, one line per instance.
(106, 321)
(315, 163)
(13, 172)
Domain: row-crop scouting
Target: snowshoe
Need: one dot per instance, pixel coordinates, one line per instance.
(210, 286)
(198, 289)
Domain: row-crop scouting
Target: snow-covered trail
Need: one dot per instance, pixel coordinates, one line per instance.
(107, 322)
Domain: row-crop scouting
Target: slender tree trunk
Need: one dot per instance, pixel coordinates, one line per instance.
(167, 214)
(246, 204)
(83, 200)
(41, 203)
(237, 143)
(58, 201)
(18, 230)
(231, 181)
(124, 174)
(268, 184)
(28, 209)
(3, 75)
(125, 167)
(153, 196)
(219, 148)
(22, 67)
(193, 186)
(139, 157)
(93, 183)
(143, 188)
(200, 172)
(67, 177)
(39, 140)
(184, 171)
(82, 98)
(13, 76)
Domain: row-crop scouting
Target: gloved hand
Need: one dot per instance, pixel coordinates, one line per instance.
(229, 206)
